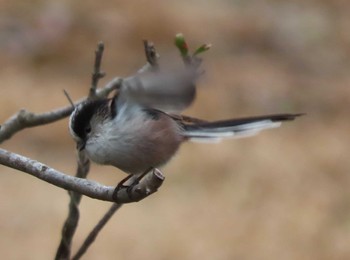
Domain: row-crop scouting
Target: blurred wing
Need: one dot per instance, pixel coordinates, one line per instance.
(170, 91)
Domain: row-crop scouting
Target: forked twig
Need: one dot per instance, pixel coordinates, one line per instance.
(152, 64)
(83, 167)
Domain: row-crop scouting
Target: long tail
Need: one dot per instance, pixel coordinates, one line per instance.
(240, 127)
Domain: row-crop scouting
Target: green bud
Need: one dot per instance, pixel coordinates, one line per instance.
(202, 48)
(181, 44)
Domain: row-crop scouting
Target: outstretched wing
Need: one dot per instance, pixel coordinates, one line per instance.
(169, 91)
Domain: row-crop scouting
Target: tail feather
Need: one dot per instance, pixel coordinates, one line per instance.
(241, 127)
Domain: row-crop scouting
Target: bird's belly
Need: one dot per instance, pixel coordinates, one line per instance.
(134, 153)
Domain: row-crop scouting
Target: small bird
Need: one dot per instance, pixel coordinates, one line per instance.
(140, 127)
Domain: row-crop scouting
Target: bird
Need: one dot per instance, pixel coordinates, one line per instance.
(141, 127)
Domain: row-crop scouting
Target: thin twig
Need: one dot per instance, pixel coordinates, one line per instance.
(97, 73)
(71, 223)
(96, 230)
(151, 54)
(69, 98)
(152, 57)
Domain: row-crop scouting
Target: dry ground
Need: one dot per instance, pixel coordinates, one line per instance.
(281, 195)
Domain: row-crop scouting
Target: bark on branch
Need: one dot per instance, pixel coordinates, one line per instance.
(148, 185)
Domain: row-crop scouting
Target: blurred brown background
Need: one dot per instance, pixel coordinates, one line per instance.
(281, 195)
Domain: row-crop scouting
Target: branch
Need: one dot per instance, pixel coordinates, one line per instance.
(24, 119)
(148, 185)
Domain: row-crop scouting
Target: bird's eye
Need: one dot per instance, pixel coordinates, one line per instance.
(87, 129)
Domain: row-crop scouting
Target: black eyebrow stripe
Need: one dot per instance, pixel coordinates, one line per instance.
(84, 115)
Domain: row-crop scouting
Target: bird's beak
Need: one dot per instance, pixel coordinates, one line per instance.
(80, 145)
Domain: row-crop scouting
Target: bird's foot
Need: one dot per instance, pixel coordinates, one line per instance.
(132, 181)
